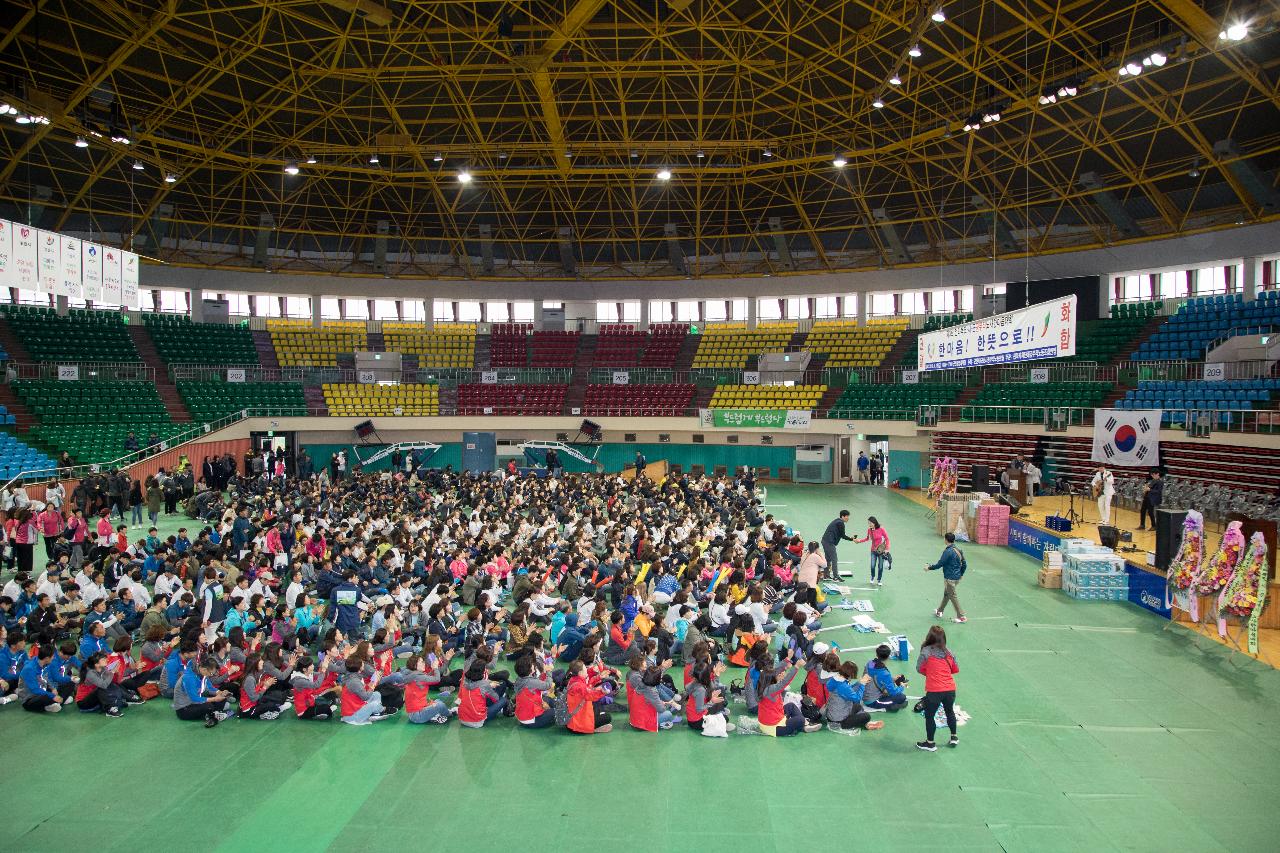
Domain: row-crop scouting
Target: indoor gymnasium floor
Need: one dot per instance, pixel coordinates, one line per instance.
(1094, 726)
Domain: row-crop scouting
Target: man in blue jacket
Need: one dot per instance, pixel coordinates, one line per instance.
(33, 688)
(344, 605)
(953, 567)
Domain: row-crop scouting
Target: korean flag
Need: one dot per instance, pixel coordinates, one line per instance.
(1127, 438)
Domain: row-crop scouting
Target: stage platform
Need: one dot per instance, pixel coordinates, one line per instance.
(1144, 543)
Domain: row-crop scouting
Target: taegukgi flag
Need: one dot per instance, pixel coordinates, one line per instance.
(1122, 437)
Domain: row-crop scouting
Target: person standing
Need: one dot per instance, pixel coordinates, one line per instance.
(1104, 489)
(50, 522)
(831, 537)
(1152, 495)
(864, 468)
(939, 668)
(880, 557)
(953, 567)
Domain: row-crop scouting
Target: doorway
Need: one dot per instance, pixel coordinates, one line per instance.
(878, 453)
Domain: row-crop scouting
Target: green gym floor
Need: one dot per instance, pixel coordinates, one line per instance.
(1095, 726)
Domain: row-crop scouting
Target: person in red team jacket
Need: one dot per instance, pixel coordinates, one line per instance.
(939, 668)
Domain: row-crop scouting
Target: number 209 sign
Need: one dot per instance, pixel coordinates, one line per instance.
(1047, 330)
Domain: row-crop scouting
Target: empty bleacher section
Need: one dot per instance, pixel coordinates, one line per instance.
(995, 450)
(767, 396)
(619, 346)
(1205, 319)
(932, 323)
(80, 336)
(730, 344)
(16, 457)
(663, 346)
(638, 400)
(352, 399)
(554, 349)
(847, 344)
(447, 345)
(892, 402)
(1227, 395)
(1025, 401)
(298, 344)
(1103, 340)
(514, 399)
(210, 400)
(180, 341)
(91, 419)
(509, 344)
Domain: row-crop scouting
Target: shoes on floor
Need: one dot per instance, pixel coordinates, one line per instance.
(927, 745)
(841, 730)
(357, 722)
(114, 712)
(269, 715)
(810, 728)
(960, 620)
(954, 742)
(937, 614)
(220, 715)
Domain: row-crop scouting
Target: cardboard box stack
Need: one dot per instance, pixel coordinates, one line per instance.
(993, 524)
(1093, 573)
(1051, 570)
(953, 508)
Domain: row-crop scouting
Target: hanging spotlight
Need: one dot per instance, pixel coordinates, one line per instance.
(700, 154)
(663, 175)
(938, 15)
(915, 51)
(768, 152)
(438, 158)
(1067, 90)
(464, 177)
(839, 161)
(991, 116)
(291, 167)
(1235, 32)
(119, 137)
(373, 159)
(1048, 96)
(895, 80)
(137, 166)
(1195, 169)
(81, 142)
(974, 122)
(635, 155)
(5, 108)
(502, 155)
(170, 178)
(568, 152)
(23, 118)
(877, 103)
(311, 160)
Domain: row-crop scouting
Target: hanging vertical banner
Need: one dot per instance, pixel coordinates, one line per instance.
(91, 260)
(6, 253)
(110, 275)
(50, 263)
(24, 258)
(129, 279)
(72, 274)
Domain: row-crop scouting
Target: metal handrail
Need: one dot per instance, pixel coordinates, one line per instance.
(258, 373)
(88, 371)
(76, 472)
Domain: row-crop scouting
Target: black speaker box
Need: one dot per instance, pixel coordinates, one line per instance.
(980, 478)
(1011, 502)
(364, 429)
(1168, 535)
(1109, 536)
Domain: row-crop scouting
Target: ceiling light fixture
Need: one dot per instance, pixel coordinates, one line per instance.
(438, 158)
(1235, 32)
(291, 167)
(137, 166)
(663, 175)
(568, 152)
(23, 118)
(81, 142)
(119, 137)
(700, 154)
(839, 161)
(170, 178)
(768, 152)
(877, 103)
(938, 15)
(311, 160)
(373, 159)
(915, 51)
(464, 177)
(895, 80)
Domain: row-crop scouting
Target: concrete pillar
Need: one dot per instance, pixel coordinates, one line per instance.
(63, 306)
(197, 305)
(429, 314)
(484, 312)
(979, 311)
(1249, 279)
(863, 299)
(1105, 295)
(644, 315)
(316, 320)
(753, 312)
(1193, 282)
(702, 311)
(537, 315)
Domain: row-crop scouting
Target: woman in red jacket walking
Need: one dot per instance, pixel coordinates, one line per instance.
(939, 669)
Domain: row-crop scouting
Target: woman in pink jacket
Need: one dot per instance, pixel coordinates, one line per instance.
(939, 668)
(880, 557)
(811, 565)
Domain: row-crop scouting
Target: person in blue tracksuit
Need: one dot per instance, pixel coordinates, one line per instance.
(195, 697)
(13, 655)
(845, 714)
(61, 669)
(33, 688)
(174, 665)
(884, 692)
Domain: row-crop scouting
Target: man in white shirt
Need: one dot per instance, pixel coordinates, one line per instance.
(1104, 488)
(167, 583)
